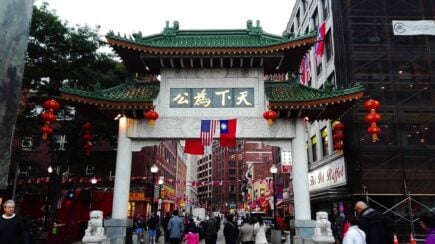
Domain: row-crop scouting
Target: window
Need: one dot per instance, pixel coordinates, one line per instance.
(315, 18)
(325, 148)
(27, 143)
(313, 148)
(329, 52)
(325, 8)
(307, 147)
(60, 142)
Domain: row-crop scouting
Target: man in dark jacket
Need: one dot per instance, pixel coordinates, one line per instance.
(373, 224)
(153, 224)
(210, 230)
(231, 232)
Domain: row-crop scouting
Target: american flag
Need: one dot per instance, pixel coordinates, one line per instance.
(208, 128)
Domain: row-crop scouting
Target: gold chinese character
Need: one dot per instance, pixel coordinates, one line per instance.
(223, 94)
(242, 98)
(201, 99)
(181, 98)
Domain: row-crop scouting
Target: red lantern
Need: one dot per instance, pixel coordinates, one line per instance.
(151, 116)
(374, 130)
(48, 116)
(87, 127)
(372, 104)
(51, 105)
(338, 126)
(338, 146)
(270, 116)
(87, 147)
(338, 135)
(372, 117)
(87, 137)
(46, 130)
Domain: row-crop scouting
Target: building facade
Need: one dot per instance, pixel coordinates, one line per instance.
(391, 173)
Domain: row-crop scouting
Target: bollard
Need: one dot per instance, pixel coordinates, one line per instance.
(288, 237)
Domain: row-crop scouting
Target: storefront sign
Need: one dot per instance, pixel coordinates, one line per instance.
(136, 196)
(330, 175)
(167, 192)
(413, 27)
(211, 97)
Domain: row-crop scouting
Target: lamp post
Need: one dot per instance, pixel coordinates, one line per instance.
(161, 181)
(274, 170)
(154, 170)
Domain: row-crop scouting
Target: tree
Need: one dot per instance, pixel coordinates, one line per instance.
(59, 54)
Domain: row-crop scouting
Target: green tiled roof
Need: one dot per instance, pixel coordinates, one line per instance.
(173, 37)
(294, 92)
(129, 92)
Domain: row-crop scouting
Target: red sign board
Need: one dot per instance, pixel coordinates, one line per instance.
(286, 169)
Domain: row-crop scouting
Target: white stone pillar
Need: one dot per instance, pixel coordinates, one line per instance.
(116, 227)
(303, 224)
(300, 173)
(122, 173)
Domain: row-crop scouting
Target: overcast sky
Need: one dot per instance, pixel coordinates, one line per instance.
(149, 16)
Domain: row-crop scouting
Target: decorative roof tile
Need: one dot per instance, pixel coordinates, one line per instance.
(172, 37)
(293, 92)
(292, 99)
(132, 95)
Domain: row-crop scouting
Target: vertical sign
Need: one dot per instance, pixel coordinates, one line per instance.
(286, 162)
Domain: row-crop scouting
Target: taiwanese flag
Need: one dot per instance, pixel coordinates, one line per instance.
(194, 146)
(228, 132)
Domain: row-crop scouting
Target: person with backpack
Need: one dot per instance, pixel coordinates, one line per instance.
(231, 232)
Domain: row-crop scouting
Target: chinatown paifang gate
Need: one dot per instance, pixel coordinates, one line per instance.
(214, 74)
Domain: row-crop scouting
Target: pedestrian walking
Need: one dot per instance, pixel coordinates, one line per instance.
(427, 222)
(165, 222)
(246, 232)
(153, 224)
(259, 231)
(231, 232)
(175, 228)
(354, 234)
(373, 224)
(211, 229)
(191, 237)
(12, 229)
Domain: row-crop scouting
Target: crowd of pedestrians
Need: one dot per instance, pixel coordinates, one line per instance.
(364, 226)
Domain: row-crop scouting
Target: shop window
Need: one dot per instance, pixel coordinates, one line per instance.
(313, 148)
(325, 8)
(329, 52)
(325, 145)
(307, 148)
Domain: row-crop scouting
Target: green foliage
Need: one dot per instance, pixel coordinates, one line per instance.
(60, 54)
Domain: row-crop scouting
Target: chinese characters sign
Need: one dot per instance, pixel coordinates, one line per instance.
(211, 97)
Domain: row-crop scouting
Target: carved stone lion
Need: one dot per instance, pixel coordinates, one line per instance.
(95, 230)
(322, 231)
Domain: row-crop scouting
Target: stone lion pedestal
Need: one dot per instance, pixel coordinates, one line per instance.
(95, 231)
(322, 231)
